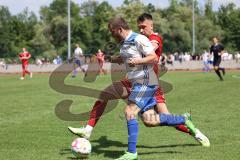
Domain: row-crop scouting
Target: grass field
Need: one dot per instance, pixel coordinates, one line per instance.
(30, 130)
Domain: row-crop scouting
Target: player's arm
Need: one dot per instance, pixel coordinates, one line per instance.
(28, 57)
(155, 44)
(20, 57)
(147, 49)
(222, 51)
(150, 58)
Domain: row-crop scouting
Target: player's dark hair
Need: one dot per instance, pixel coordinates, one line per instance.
(118, 22)
(144, 16)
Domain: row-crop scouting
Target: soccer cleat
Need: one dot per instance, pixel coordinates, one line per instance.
(22, 78)
(31, 75)
(128, 156)
(189, 124)
(201, 138)
(81, 132)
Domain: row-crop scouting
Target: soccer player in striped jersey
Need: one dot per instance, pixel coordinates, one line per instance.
(139, 56)
(122, 90)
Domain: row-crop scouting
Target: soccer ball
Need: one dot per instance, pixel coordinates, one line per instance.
(81, 148)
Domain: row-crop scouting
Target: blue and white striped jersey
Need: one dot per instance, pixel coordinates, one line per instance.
(138, 46)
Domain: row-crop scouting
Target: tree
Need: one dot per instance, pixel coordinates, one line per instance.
(5, 39)
(208, 10)
(228, 19)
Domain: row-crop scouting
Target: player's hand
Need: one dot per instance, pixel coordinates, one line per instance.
(133, 61)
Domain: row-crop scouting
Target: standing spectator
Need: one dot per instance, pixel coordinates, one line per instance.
(100, 57)
(3, 64)
(39, 62)
(237, 57)
(205, 57)
(169, 59)
(24, 57)
(181, 57)
(163, 60)
(57, 60)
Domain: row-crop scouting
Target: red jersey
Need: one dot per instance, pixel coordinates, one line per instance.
(24, 54)
(156, 38)
(100, 56)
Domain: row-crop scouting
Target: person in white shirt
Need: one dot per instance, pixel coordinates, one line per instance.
(205, 58)
(78, 54)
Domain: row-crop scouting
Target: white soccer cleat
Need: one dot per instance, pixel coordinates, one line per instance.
(81, 132)
(21, 78)
(202, 139)
(31, 75)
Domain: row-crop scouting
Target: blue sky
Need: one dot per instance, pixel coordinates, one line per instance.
(16, 6)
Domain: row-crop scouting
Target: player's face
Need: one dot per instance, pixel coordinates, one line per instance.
(116, 33)
(145, 27)
(215, 40)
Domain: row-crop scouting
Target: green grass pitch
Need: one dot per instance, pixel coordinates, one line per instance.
(30, 130)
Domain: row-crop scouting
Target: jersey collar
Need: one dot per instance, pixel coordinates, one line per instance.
(128, 36)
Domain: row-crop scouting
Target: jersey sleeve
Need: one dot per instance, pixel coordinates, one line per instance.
(221, 47)
(156, 39)
(144, 45)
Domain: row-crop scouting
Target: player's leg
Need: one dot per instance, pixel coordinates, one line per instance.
(221, 68)
(161, 107)
(140, 99)
(100, 63)
(216, 64)
(80, 66)
(131, 112)
(75, 66)
(151, 118)
(23, 72)
(26, 71)
(115, 91)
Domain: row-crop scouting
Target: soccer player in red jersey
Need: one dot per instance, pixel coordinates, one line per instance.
(100, 57)
(121, 90)
(24, 57)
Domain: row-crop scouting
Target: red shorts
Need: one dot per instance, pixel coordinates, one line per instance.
(24, 64)
(100, 62)
(159, 95)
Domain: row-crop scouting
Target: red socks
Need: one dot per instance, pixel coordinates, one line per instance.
(96, 113)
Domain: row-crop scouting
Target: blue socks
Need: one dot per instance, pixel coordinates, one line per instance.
(171, 120)
(165, 120)
(132, 135)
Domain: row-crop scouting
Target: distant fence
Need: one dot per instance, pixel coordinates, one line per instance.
(187, 65)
